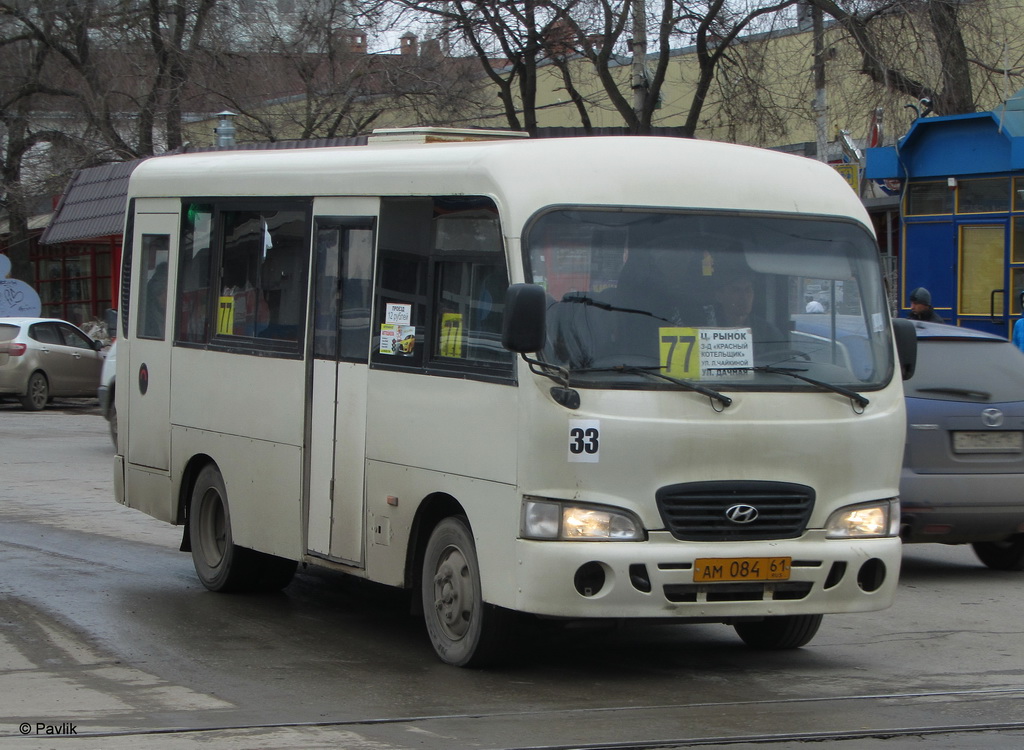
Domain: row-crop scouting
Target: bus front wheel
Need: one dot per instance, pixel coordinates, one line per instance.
(464, 630)
(778, 633)
(221, 564)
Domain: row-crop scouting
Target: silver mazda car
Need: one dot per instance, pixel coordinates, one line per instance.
(963, 467)
(43, 357)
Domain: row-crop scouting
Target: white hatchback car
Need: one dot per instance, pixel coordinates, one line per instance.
(105, 392)
(44, 357)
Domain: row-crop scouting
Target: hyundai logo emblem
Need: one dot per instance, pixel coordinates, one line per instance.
(992, 417)
(741, 513)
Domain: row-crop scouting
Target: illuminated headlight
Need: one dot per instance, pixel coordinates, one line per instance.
(868, 520)
(550, 519)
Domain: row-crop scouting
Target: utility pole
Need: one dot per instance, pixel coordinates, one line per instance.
(639, 42)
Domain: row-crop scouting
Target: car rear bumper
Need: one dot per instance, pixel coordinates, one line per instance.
(961, 508)
(13, 379)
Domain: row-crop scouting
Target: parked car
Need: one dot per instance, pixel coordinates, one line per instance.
(43, 357)
(105, 392)
(963, 467)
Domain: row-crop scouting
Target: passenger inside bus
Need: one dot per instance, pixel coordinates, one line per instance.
(156, 303)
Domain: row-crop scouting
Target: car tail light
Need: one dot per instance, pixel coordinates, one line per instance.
(16, 350)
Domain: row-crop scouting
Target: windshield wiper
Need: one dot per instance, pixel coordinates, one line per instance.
(979, 395)
(583, 299)
(860, 400)
(569, 398)
(689, 384)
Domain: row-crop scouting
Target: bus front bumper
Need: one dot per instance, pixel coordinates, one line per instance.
(661, 578)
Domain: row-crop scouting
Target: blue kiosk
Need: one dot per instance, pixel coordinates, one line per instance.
(961, 185)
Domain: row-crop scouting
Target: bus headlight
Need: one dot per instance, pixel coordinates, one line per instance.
(551, 519)
(867, 520)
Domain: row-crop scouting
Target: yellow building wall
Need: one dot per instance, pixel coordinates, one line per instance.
(763, 96)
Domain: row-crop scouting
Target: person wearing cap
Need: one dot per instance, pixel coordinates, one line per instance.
(921, 306)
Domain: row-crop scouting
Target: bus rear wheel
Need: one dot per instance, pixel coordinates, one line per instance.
(221, 564)
(779, 633)
(464, 630)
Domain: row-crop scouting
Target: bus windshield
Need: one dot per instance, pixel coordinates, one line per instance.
(734, 301)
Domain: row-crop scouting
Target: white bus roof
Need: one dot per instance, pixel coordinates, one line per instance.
(614, 171)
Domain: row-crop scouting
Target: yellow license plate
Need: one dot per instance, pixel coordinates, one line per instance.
(713, 569)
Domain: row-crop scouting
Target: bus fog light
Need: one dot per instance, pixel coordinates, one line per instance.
(868, 520)
(871, 575)
(550, 519)
(589, 579)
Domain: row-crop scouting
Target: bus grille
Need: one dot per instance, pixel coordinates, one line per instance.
(735, 510)
(683, 593)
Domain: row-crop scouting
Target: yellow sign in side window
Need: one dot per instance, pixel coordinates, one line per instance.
(680, 352)
(226, 316)
(451, 335)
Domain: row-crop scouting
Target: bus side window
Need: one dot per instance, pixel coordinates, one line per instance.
(471, 302)
(441, 283)
(356, 294)
(263, 258)
(153, 291)
(400, 303)
(343, 289)
(193, 315)
(471, 281)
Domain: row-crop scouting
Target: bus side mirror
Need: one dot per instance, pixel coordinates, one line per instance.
(523, 329)
(906, 345)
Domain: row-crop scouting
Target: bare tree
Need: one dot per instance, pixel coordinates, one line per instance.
(761, 93)
(309, 75)
(85, 83)
(507, 37)
(596, 38)
(938, 51)
(176, 31)
(116, 70)
(715, 26)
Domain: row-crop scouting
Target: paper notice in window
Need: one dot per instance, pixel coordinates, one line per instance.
(726, 352)
(398, 314)
(397, 340)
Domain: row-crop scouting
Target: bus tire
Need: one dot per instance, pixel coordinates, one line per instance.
(464, 630)
(220, 564)
(779, 633)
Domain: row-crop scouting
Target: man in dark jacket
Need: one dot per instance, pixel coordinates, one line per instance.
(921, 306)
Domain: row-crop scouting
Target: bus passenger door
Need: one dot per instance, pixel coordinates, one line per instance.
(149, 353)
(343, 285)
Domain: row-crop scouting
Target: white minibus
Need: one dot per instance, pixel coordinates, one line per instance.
(560, 378)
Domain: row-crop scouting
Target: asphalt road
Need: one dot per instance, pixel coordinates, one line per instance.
(107, 636)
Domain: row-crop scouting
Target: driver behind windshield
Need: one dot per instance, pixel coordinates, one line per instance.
(733, 293)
